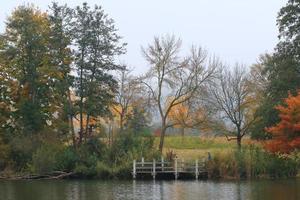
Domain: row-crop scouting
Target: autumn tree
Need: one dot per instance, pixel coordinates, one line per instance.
(280, 68)
(173, 77)
(231, 96)
(30, 77)
(190, 115)
(96, 44)
(26, 61)
(7, 95)
(286, 133)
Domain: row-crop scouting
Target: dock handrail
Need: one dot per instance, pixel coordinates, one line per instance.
(161, 166)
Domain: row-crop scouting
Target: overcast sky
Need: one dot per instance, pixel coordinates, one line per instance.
(234, 30)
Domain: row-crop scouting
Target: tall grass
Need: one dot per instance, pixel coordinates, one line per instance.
(252, 162)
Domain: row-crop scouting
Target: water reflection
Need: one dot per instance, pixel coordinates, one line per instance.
(160, 190)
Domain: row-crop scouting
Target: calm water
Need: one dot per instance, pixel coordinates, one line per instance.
(177, 190)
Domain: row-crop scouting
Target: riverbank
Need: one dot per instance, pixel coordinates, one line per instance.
(95, 161)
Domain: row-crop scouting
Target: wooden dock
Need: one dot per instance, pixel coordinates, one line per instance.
(178, 168)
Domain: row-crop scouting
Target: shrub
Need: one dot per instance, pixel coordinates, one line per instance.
(67, 159)
(85, 158)
(44, 159)
(22, 150)
(103, 170)
(4, 154)
(282, 166)
(85, 171)
(128, 147)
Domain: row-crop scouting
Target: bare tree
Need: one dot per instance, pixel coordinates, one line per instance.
(172, 80)
(129, 91)
(230, 94)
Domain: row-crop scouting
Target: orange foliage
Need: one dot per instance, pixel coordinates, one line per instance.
(185, 117)
(179, 114)
(286, 134)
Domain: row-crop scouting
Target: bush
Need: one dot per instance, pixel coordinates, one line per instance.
(4, 154)
(85, 158)
(85, 171)
(103, 170)
(22, 150)
(44, 159)
(67, 159)
(128, 147)
(118, 159)
(282, 166)
(115, 171)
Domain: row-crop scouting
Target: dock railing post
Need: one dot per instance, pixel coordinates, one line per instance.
(196, 170)
(153, 169)
(142, 161)
(134, 169)
(176, 170)
(162, 163)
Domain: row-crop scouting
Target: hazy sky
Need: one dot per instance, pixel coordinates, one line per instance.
(234, 30)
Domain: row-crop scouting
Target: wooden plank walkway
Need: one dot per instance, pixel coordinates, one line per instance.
(177, 168)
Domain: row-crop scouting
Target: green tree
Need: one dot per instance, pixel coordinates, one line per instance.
(289, 33)
(137, 121)
(61, 59)
(96, 45)
(281, 69)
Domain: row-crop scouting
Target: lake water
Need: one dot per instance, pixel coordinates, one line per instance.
(176, 190)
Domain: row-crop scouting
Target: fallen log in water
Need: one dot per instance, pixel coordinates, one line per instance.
(53, 175)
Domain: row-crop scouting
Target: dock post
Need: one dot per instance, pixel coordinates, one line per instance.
(176, 170)
(153, 170)
(134, 169)
(196, 170)
(142, 161)
(162, 163)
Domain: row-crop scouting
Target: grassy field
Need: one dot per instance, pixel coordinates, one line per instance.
(228, 163)
(195, 147)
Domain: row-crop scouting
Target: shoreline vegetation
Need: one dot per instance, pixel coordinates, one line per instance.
(69, 109)
(226, 162)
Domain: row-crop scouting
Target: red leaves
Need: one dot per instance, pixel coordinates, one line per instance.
(286, 134)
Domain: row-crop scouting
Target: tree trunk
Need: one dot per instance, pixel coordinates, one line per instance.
(87, 126)
(239, 139)
(71, 119)
(162, 137)
(121, 122)
(182, 134)
(109, 134)
(239, 143)
(81, 98)
(81, 123)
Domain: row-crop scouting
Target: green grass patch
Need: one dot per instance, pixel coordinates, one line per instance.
(196, 142)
